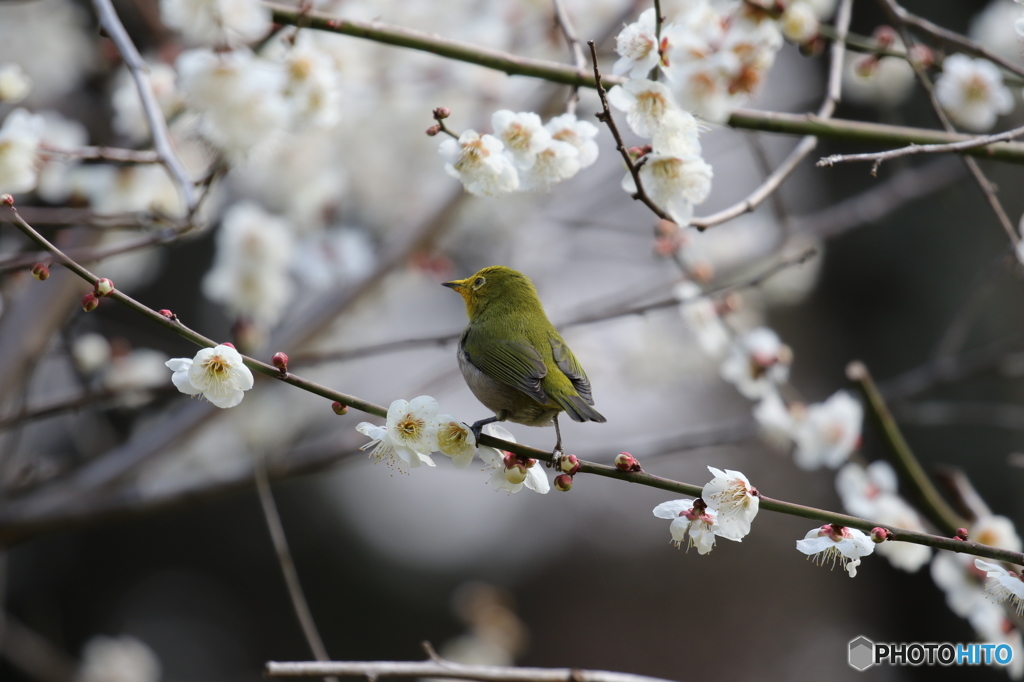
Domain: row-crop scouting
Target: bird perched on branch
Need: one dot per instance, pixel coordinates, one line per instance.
(513, 359)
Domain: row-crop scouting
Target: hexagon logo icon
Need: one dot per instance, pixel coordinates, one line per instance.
(862, 653)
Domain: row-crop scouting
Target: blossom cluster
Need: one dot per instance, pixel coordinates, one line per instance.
(522, 153)
(726, 508)
(413, 431)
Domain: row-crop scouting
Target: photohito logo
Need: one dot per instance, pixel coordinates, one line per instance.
(864, 653)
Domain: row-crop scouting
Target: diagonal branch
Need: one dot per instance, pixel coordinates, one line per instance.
(157, 125)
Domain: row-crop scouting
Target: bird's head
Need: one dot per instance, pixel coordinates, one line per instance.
(494, 285)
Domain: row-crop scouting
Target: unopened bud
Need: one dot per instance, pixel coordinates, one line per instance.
(563, 482)
(569, 464)
(509, 460)
(516, 474)
(104, 287)
(434, 129)
(280, 360)
(90, 302)
(339, 408)
(921, 56)
(40, 271)
(228, 344)
(813, 47)
(879, 535)
(885, 36)
(7, 200)
(626, 462)
(168, 314)
(866, 67)
(637, 152)
(961, 534)
(442, 113)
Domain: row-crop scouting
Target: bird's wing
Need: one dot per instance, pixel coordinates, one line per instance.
(570, 367)
(515, 364)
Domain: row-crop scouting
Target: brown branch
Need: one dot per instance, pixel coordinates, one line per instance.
(575, 50)
(880, 157)
(287, 563)
(101, 154)
(448, 669)
(157, 125)
(605, 116)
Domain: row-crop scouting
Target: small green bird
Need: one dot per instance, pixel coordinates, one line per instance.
(513, 359)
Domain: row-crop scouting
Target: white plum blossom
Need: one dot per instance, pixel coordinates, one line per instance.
(1003, 585)
(312, 84)
(648, 105)
(15, 84)
(734, 501)
(217, 22)
(20, 136)
(637, 45)
(557, 161)
(513, 478)
(871, 493)
(674, 182)
(478, 162)
(522, 135)
(580, 134)
(250, 270)
(831, 543)
(989, 28)
(455, 440)
(56, 175)
(408, 437)
(135, 374)
(877, 81)
(757, 362)
(240, 97)
(971, 91)
(116, 189)
(799, 22)
(996, 531)
(701, 316)
(129, 117)
(775, 420)
(829, 432)
(218, 373)
(118, 659)
(690, 520)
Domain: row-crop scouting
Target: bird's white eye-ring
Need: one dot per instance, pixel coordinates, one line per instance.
(479, 282)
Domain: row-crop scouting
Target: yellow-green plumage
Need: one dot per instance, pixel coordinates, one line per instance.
(511, 356)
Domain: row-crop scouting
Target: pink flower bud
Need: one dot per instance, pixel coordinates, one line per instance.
(104, 287)
(7, 200)
(90, 302)
(40, 271)
(961, 534)
(569, 464)
(866, 67)
(339, 408)
(879, 535)
(442, 113)
(434, 129)
(921, 55)
(168, 314)
(885, 36)
(627, 462)
(510, 460)
(228, 344)
(563, 482)
(280, 360)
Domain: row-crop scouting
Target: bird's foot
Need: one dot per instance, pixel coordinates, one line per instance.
(478, 427)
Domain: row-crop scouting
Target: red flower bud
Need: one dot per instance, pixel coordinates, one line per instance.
(280, 360)
(7, 200)
(569, 464)
(40, 271)
(228, 344)
(434, 129)
(90, 302)
(168, 314)
(879, 535)
(563, 482)
(339, 408)
(442, 113)
(627, 462)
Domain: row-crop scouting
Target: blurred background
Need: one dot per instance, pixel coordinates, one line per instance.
(135, 545)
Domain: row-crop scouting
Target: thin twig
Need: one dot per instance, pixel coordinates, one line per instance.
(953, 38)
(284, 558)
(880, 157)
(605, 116)
(100, 153)
(157, 125)
(575, 50)
(449, 669)
(893, 9)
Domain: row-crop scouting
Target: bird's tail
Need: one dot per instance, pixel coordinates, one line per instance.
(578, 409)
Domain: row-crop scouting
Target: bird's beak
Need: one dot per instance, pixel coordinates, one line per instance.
(455, 284)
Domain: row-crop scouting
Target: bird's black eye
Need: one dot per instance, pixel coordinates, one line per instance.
(478, 282)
